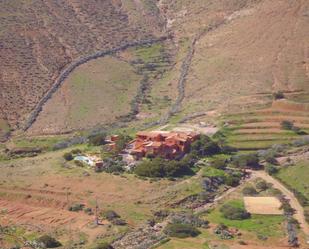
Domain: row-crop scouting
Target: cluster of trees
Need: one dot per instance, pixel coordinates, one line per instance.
(205, 146)
(159, 167)
(246, 160)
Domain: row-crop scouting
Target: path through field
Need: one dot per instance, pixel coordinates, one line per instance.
(299, 211)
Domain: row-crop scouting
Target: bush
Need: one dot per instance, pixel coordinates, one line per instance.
(181, 230)
(110, 215)
(234, 213)
(278, 95)
(271, 159)
(118, 222)
(226, 149)
(68, 156)
(48, 241)
(159, 167)
(218, 163)
(232, 180)
(97, 139)
(262, 185)
(246, 160)
(271, 169)
(76, 207)
(249, 191)
(287, 125)
(122, 142)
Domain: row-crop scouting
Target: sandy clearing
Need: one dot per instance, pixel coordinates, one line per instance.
(263, 205)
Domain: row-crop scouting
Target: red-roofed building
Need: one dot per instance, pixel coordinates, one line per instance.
(169, 145)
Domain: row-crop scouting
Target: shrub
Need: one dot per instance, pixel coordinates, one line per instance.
(249, 191)
(232, 180)
(271, 159)
(122, 142)
(181, 230)
(234, 213)
(287, 125)
(76, 207)
(97, 139)
(271, 169)
(110, 215)
(246, 160)
(48, 241)
(262, 185)
(68, 156)
(114, 168)
(119, 222)
(219, 163)
(226, 149)
(278, 95)
(88, 211)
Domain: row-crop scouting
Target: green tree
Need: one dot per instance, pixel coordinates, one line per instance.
(68, 156)
(204, 146)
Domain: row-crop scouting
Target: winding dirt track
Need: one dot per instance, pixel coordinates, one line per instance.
(299, 211)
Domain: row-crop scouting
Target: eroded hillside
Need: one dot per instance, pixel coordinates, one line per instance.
(40, 38)
(221, 56)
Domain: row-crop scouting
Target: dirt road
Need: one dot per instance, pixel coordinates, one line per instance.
(299, 211)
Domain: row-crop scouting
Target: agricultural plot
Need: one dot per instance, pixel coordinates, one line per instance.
(262, 128)
(263, 205)
(265, 225)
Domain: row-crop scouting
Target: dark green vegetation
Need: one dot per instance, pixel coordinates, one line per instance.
(234, 211)
(181, 230)
(159, 167)
(49, 242)
(97, 139)
(260, 225)
(246, 160)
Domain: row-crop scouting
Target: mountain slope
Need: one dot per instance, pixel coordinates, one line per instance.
(40, 38)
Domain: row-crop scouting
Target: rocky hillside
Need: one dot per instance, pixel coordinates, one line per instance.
(226, 55)
(38, 39)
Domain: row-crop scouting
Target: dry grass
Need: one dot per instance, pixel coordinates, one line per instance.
(263, 205)
(95, 93)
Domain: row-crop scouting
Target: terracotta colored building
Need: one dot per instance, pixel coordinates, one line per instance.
(169, 145)
(111, 142)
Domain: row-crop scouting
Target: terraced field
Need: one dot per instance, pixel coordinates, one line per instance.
(262, 128)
